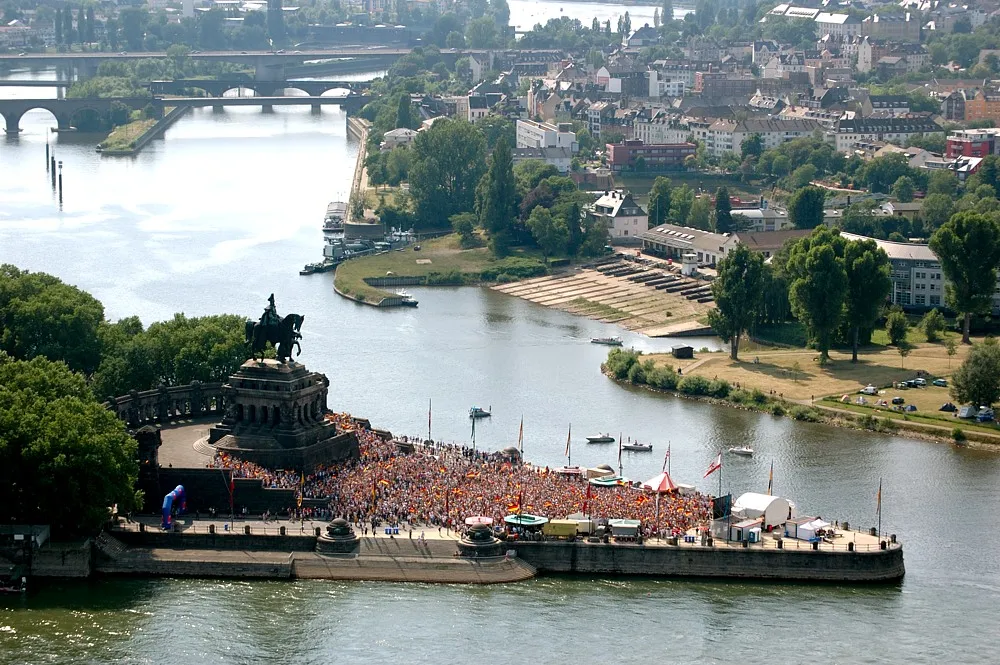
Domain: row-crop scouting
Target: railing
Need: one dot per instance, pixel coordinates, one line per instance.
(165, 403)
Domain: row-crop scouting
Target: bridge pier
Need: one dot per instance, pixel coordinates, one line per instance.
(12, 123)
(267, 108)
(316, 109)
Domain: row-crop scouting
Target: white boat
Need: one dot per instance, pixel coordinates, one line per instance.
(607, 341)
(600, 438)
(746, 451)
(476, 412)
(336, 213)
(638, 447)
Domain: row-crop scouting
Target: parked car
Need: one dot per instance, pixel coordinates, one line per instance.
(902, 385)
(940, 383)
(985, 415)
(869, 390)
(920, 382)
(898, 400)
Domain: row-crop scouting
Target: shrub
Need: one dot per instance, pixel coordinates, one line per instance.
(718, 388)
(694, 385)
(515, 266)
(777, 409)
(664, 378)
(896, 325)
(804, 414)
(868, 421)
(620, 362)
(450, 278)
(758, 397)
(637, 374)
(558, 263)
(958, 435)
(887, 425)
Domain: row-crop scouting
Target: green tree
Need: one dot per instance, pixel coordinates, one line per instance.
(739, 296)
(464, 224)
(700, 215)
(723, 212)
(42, 316)
(818, 288)
(89, 34)
(880, 173)
(752, 146)
(667, 12)
(573, 218)
(802, 176)
(868, 285)
(968, 246)
(977, 379)
(942, 182)
(59, 25)
(64, 458)
(936, 209)
(681, 200)
(447, 163)
(498, 205)
(951, 348)
(403, 118)
(275, 23)
(989, 172)
(494, 128)
(133, 25)
(896, 326)
(549, 232)
(902, 189)
(659, 201)
(481, 33)
(805, 207)
(933, 325)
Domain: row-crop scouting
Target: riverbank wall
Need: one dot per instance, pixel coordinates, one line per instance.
(164, 123)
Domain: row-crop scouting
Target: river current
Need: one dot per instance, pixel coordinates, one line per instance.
(224, 211)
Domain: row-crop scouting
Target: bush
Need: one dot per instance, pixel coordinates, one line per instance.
(932, 324)
(777, 409)
(805, 414)
(558, 263)
(896, 325)
(664, 378)
(620, 362)
(887, 425)
(515, 266)
(694, 385)
(958, 435)
(450, 278)
(868, 421)
(758, 397)
(637, 374)
(718, 388)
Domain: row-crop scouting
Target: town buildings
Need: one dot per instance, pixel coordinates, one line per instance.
(624, 218)
(632, 154)
(531, 134)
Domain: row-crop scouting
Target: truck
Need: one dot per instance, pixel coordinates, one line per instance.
(560, 529)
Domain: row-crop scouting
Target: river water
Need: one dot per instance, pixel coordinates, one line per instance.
(224, 211)
(524, 14)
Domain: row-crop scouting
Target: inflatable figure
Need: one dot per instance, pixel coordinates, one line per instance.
(173, 500)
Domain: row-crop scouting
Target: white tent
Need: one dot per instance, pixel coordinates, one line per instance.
(808, 530)
(660, 483)
(774, 509)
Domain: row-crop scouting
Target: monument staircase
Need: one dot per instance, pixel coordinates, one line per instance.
(110, 547)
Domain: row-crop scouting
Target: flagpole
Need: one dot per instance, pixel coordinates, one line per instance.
(720, 473)
(619, 455)
(880, 509)
(429, 420)
(668, 458)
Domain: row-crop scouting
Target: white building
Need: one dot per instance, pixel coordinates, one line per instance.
(660, 129)
(397, 137)
(838, 25)
(728, 136)
(665, 85)
(854, 130)
(624, 217)
(561, 158)
(673, 242)
(531, 134)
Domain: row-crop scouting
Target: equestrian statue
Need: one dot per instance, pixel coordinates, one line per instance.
(283, 333)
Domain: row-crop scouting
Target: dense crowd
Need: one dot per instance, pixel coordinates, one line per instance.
(443, 485)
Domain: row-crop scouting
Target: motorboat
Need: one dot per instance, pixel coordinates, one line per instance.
(408, 300)
(746, 451)
(476, 412)
(600, 438)
(638, 447)
(336, 212)
(607, 341)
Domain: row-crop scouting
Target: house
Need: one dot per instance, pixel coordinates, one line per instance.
(531, 134)
(909, 210)
(561, 158)
(898, 28)
(953, 106)
(764, 220)
(644, 36)
(625, 219)
(984, 106)
(626, 156)
(769, 243)
(478, 107)
(728, 136)
(396, 138)
(673, 242)
(837, 25)
(660, 127)
(917, 279)
(972, 143)
(852, 130)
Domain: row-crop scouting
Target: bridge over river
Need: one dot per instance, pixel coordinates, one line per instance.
(65, 109)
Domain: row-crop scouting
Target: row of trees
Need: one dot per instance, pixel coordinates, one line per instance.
(63, 23)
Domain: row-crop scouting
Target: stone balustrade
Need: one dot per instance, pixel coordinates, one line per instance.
(164, 404)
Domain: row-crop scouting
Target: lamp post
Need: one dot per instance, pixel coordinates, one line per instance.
(60, 183)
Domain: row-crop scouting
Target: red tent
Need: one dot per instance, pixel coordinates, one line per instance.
(660, 483)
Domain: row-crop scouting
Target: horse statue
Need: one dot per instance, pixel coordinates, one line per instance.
(283, 333)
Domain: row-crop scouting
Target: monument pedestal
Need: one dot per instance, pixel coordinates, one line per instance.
(276, 417)
(479, 541)
(338, 539)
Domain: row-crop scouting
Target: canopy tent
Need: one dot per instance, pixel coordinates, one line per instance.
(479, 519)
(609, 481)
(774, 509)
(525, 520)
(660, 483)
(808, 530)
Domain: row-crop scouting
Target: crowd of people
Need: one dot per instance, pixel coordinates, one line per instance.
(442, 485)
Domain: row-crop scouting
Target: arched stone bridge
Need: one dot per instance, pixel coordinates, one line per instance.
(163, 404)
(218, 87)
(62, 109)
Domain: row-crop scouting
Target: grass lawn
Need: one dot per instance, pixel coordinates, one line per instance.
(928, 416)
(795, 374)
(439, 255)
(124, 136)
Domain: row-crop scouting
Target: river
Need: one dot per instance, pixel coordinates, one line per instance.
(226, 208)
(524, 14)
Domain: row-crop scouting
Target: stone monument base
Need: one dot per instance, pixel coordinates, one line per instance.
(339, 538)
(479, 541)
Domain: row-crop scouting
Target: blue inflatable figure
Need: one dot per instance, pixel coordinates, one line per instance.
(174, 499)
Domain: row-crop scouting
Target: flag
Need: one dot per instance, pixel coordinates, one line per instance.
(302, 485)
(716, 465)
(665, 458)
(520, 437)
(878, 499)
(232, 484)
(587, 500)
(568, 435)
(428, 419)
(619, 450)
(770, 479)
(374, 491)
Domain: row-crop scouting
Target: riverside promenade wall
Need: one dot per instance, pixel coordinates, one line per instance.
(723, 561)
(153, 132)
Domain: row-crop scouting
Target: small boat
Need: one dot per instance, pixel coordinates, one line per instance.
(601, 438)
(309, 269)
(746, 451)
(638, 447)
(408, 300)
(476, 412)
(14, 585)
(607, 341)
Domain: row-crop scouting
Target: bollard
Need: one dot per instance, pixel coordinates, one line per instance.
(142, 527)
(317, 532)
(872, 531)
(882, 544)
(281, 530)
(52, 170)
(846, 527)
(815, 546)
(46, 156)
(246, 529)
(781, 545)
(710, 541)
(211, 529)
(60, 183)
(745, 544)
(892, 539)
(850, 547)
